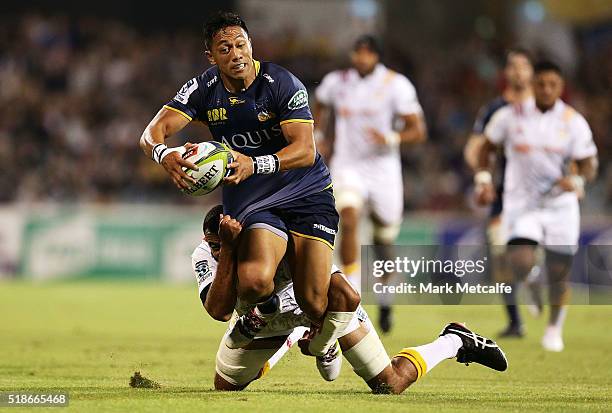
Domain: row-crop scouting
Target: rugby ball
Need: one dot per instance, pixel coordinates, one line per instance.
(212, 159)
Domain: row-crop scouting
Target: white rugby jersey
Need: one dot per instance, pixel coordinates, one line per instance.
(538, 148)
(290, 314)
(361, 103)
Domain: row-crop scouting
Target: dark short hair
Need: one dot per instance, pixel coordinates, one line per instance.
(211, 220)
(520, 51)
(220, 21)
(547, 66)
(369, 42)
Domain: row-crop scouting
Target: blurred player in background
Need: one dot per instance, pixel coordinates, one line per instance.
(541, 137)
(279, 188)
(518, 73)
(213, 263)
(366, 101)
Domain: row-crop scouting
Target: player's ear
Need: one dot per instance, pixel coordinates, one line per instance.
(210, 57)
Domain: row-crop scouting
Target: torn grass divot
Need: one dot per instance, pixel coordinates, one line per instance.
(138, 381)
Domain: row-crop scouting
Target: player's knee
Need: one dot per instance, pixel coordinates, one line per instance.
(314, 305)
(254, 282)
(558, 266)
(223, 385)
(341, 296)
(521, 256)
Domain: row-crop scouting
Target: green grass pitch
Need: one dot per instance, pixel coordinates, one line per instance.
(88, 338)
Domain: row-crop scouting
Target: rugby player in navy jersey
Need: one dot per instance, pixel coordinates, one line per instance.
(279, 188)
(518, 73)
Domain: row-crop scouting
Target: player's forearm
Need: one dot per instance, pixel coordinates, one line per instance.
(472, 150)
(485, 153)
(221, 297)
(414, 131)
(165, 124)
(296, 155)
(587, 168)
(321, 116)
(152, 135)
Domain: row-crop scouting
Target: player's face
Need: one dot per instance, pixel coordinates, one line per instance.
(518, 71)
(231, 51)
(364, 60)
(547, 88)
(214, 242)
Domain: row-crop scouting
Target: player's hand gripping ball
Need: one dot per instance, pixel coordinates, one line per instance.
(212, 159)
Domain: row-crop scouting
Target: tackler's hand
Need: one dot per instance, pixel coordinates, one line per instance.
(229, 230)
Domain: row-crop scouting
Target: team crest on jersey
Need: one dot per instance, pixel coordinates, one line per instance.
(235, 101)
(298, 100)
(186, 91)
(268, 77)
(264, 115)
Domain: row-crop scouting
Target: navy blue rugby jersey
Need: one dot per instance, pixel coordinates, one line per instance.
(250, 122)
(484, 116)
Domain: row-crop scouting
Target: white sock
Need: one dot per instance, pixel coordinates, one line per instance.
(560, 319)
(442, 348)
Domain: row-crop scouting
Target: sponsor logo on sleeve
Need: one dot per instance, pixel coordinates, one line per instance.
(203, 271)
(211, 81)
(186, 91)
(298, 100)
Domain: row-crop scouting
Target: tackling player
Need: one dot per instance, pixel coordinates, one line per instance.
(367, 100)
(518, 73)
(279, 189)
(214, 267)
(541, 137)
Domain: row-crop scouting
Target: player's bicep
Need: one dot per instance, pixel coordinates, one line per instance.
(301, 132)
(169, 121)
(300, 136)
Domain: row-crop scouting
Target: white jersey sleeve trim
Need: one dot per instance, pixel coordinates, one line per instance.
(497, 128)
(583, 145)
(325, 91)
(405, 101)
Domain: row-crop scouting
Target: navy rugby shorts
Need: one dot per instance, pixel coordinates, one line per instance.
(313, 217)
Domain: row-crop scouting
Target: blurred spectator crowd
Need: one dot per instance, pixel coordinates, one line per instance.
(75, 95)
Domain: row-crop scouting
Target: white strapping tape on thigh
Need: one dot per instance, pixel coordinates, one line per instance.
(368, 357)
